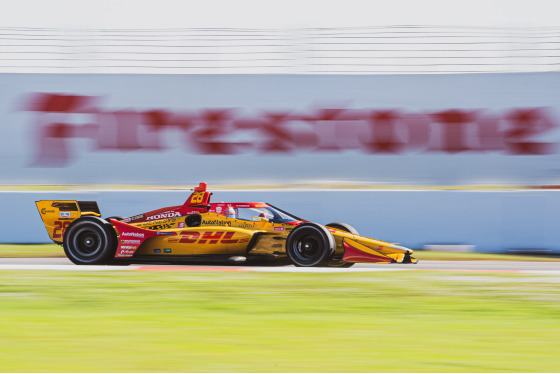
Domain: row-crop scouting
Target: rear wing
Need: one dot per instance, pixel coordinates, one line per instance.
(57, 215)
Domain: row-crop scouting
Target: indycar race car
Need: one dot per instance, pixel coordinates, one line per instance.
(202, 231)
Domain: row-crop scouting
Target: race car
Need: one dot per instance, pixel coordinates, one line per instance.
(202, 231)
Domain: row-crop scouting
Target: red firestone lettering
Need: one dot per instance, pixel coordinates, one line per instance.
(527, 123)
(454, 136)
(490, 137)
(384, 130)
(279, 137)
(215, 126)
(212, 131)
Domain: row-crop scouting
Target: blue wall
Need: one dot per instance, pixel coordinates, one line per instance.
(492, 221)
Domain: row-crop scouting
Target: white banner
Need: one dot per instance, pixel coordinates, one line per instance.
(262, 129)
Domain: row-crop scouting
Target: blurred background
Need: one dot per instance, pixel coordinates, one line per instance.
(423, 123)
(433, 124)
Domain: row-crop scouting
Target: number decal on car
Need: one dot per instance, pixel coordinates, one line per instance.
(197, 197)
(59, 228)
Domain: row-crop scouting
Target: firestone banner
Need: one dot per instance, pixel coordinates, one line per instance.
(242, 129)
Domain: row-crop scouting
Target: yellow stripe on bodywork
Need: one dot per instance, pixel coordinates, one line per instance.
(365, 249)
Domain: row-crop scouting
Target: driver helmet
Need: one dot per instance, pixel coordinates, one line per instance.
(231, 212)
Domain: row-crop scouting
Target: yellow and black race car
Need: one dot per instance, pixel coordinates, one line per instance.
(202, 231)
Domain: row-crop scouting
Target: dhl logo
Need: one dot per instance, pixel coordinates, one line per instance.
(208, 237)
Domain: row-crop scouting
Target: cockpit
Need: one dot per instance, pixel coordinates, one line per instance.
(270, 213)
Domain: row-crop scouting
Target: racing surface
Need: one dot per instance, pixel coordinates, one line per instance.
(543, 267)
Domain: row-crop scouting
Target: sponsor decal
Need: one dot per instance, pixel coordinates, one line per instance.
(71, 207)
(158, 222)
(181, 225)
(165, 233)
(278, 229)
(45, 211)
(128, 247)
(157, 250)
(218, 209)
(167, 250)
(216, 222)
(163, 215)
(517, 133)
(243, 206)
(131, 241)
(133, 218)
(209, 237)
(246, 225)
(197, 197)
(65, 214)
(125, 252)
(60, 228)
(134, 234)
(159, 227)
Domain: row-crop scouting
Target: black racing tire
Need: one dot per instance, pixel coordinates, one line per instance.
(116, 218)
(90, 241)
(343, 227)
(310, 244)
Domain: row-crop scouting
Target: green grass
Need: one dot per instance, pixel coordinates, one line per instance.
(31, 250)
(260, 322)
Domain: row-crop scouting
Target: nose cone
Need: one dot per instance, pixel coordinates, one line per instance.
(400, 247)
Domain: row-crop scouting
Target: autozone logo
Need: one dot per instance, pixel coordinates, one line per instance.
(135, 234)
(208, 237)
(163, 215)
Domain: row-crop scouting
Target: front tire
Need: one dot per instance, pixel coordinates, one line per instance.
(346, 228)
(89, 241)
(310, 244)
(116, 218)
(343, 227)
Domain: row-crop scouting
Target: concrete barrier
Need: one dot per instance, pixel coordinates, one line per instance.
(491, 221)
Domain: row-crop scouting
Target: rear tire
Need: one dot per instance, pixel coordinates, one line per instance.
(310, 244)
(89, 241)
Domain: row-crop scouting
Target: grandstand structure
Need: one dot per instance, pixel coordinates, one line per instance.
(359, 50)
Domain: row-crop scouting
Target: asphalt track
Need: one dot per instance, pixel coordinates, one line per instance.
(530, 267)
